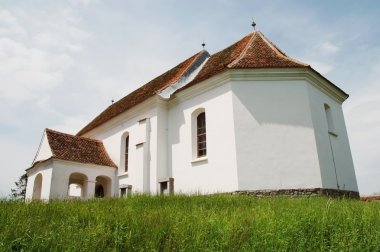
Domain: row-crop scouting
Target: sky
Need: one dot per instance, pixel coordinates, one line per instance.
(62, 62)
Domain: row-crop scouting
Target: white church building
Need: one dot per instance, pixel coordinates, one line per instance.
(245, 119)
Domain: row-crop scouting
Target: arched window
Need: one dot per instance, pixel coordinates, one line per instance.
(201, 135)
(126, 154)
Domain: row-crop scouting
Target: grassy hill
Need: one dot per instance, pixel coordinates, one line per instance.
(191, 223)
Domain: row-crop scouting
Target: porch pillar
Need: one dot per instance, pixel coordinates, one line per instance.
(90, 189)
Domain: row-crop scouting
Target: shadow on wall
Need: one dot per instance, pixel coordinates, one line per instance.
(267, 102)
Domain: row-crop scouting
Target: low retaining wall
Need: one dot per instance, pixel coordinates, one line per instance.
(371, 198)
(335, 193)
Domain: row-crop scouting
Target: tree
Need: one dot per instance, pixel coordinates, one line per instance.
(18, 193)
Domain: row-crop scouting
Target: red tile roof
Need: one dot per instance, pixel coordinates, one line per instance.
(78, 149)
(141, 94)
(252, 51)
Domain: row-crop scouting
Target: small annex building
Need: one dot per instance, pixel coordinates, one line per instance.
(245, 119)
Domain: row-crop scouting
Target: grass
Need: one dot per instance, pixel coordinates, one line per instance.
(191, 223)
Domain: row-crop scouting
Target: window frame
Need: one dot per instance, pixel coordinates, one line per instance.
(122, 171)
(126, 154)
(201, 135)
(194, 136)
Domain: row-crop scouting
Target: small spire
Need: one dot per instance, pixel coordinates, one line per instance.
(253, 25)
(203, 44)
(112, 101)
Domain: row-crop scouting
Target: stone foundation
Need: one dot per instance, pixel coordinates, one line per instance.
(335, 193)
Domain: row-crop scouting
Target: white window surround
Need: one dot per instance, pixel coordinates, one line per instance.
(200, 159)
(194, 116)
(121, 171)
(122, 174)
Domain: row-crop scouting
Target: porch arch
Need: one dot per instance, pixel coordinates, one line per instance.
(37, 187)
(77, 187)
(103, 186)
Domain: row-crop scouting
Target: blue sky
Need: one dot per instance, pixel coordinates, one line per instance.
(61, 62)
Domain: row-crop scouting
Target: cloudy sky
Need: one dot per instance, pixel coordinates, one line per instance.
(61, 62)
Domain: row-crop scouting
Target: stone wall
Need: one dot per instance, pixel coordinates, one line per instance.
(335, 193)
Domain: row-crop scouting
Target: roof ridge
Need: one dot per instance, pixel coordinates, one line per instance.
(278, 51)
(75, 136)
(242, 54)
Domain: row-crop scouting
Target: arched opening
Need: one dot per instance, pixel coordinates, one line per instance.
(99, 191)
(103, 187)
(77, 185)
(37, 187)
(75, 190)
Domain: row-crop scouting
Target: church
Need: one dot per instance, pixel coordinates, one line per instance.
(247, 119)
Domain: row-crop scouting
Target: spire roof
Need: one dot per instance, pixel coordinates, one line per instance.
(252, 51)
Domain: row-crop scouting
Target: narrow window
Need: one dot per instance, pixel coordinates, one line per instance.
(201, 135)
(329, 118)
(126, 153)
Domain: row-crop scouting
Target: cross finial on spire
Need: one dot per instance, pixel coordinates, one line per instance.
(203, 44)
(254, 25)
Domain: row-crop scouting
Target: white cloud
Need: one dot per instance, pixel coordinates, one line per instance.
(330, 48)
(71, 124)
(83, 2)
(9, 25)
(7, 17)
(14, 164)
(321, 67)
(362, 113)
(26, 71)
(31, 65)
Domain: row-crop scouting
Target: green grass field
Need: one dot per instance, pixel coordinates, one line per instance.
(191, 223)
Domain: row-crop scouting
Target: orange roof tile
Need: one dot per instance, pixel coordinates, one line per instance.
(252, 51)
(141, 94)
(78, 149)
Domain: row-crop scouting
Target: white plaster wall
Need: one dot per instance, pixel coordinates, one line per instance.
(275, 140)
(63, 169)
(44, 151)
(218, 172)
(160, 143)
(141, 166)
(341, 148)
(46, 171)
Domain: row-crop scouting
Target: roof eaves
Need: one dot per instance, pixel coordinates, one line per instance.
(328, 81)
